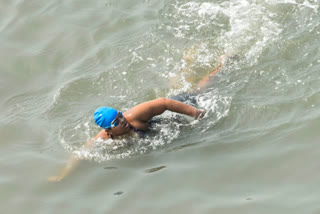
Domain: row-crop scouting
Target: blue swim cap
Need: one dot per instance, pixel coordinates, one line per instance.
(103, 116)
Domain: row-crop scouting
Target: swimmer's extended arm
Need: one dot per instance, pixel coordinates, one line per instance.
(145, 111)
(70, 165)
(73, 161)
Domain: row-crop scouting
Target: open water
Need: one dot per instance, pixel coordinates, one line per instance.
(257, 150)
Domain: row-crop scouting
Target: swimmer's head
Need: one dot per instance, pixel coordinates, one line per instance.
(103, 116)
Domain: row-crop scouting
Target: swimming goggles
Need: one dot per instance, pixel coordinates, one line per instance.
(116, 120)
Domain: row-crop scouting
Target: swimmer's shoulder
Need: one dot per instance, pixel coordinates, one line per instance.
(101, 135)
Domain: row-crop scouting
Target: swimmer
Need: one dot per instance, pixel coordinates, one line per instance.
(135, 121)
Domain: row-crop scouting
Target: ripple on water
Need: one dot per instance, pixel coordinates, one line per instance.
(27, 105)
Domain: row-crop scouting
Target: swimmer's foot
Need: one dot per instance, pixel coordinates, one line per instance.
(222, 57)
(191, 55)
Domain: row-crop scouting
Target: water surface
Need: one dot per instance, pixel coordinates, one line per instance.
(255, 151)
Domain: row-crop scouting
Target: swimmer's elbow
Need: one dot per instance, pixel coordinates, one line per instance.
(164, 103)
(162, 100)
(157, 106)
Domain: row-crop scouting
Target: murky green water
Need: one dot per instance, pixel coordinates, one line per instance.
(256, 151)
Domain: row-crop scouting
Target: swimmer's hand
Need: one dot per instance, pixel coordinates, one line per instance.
(66, 170)
(55, 178)
(72, 162)
(200, 114)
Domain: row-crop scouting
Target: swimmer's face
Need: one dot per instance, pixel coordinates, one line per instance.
(119, 125)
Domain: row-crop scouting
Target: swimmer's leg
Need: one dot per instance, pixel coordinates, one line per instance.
(204, 82)
(190, 56)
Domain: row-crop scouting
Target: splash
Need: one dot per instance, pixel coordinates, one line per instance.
(244, 27)
(162, 133)
(185, 47)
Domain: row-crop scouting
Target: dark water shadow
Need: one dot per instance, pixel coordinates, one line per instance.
(177, 148)
(118, 193)
(155, 169)
(110, 167)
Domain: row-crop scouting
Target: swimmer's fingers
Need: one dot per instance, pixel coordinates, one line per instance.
(55, 178)
(200, 114)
